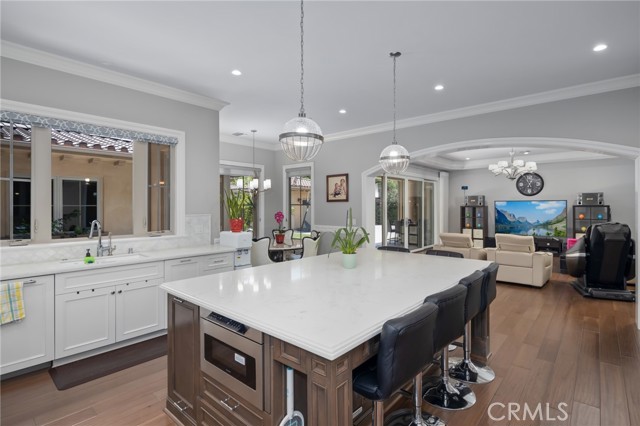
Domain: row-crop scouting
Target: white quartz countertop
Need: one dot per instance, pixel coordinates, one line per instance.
(316, 304)
(56, 267)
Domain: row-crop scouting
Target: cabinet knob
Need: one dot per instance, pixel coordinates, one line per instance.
(119, 291)
(113, 292)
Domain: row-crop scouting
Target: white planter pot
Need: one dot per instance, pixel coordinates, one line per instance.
(349, 261)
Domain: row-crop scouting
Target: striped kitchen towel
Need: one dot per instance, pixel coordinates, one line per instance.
(11, 302)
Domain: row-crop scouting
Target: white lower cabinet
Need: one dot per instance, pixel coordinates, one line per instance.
(85, 320)
(101, 313)
(29, 342)
(140, 309)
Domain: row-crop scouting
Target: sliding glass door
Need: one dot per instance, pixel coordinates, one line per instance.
(404, 212)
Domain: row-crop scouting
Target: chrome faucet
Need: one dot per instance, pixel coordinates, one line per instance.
(101, 248)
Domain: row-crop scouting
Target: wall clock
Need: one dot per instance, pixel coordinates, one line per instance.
(530, 184)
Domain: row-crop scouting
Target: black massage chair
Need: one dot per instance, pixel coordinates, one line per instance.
(603, 261)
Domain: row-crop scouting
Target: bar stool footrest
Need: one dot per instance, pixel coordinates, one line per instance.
(406, 417)
(471, 372)
(436, 392)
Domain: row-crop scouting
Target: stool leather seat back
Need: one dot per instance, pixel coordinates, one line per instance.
(406, 347)
(450, 323)
(489, 290)
(446, 253)
(473, 304)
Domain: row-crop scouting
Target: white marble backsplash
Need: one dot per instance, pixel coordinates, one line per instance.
(197, 233)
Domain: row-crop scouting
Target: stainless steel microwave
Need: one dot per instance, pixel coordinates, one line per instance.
(233, 355)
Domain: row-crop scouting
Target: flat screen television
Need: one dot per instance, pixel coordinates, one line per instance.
(541, 218)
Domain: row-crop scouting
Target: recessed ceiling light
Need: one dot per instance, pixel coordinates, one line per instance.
(236, 72)
(526, 152)
(343, 111)
(439, 87)
(467, 158)
(599, 47)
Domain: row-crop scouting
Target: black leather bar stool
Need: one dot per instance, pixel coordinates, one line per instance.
(406, 348)
(394, 248)
(464, 369)
(442, 391)
(447, 253)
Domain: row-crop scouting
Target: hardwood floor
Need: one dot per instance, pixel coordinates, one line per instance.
(550, 347)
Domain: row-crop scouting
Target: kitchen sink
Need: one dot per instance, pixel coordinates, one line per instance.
(104, 260)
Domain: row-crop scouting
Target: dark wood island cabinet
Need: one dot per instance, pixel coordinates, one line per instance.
(183, 359)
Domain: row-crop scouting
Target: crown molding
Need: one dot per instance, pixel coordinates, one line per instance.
(59, 63)
(242, 141)
(594, 88)
(576, 150)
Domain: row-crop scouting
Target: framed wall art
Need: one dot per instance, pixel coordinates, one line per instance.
(338, 187)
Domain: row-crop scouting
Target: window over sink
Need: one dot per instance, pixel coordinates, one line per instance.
(123, 182)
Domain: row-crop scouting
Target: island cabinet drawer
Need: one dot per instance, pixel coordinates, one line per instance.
(105, 277)
(214, 263)
(235, 412)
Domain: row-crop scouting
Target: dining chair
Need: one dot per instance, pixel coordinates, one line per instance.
(260, 251)
(288, 237)
(309, 246)
(324, 245)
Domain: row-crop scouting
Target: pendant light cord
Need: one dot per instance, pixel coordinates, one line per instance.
(302, 113)
(394, 99)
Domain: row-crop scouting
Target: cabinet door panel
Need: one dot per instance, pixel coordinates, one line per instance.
(85, 320)
(29, 342)
(139, 309)
(183, 358)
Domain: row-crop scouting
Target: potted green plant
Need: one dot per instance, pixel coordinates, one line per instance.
(348, 240)
(234, 206)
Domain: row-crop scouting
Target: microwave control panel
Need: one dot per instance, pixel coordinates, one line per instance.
(227, 322)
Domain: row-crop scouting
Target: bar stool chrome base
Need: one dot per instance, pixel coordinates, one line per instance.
(450, 394)
(406, 417)
(469, 372)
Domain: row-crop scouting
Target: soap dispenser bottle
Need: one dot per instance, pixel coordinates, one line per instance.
(88, 258)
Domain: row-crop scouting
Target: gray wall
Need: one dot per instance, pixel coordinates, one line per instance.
(608, 117)
(614, 177)
(42, 86)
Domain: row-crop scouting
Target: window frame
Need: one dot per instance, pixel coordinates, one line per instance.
(228, 167)
(41, 172)
(306, 168)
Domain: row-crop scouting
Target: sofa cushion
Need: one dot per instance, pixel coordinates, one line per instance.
(450, 239)
(524, 260)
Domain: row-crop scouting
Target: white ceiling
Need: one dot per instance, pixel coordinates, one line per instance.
(481, 51)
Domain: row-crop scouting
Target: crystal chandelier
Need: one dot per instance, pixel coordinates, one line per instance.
(301, 137)
(512, 168)
(395, 158)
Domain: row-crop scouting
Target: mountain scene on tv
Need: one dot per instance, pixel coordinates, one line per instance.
(538, 218)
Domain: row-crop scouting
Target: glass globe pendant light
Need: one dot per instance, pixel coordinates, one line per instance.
(395, 158)
(301, 137)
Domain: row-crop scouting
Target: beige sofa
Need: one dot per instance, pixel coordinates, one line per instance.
(519, 262)
(460, 243)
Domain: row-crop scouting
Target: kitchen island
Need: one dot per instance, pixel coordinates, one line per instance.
(318, 318)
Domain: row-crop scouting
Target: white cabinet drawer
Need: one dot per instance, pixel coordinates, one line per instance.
(213, 263)
(189, 267)
(96, 278)
(180, 269)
